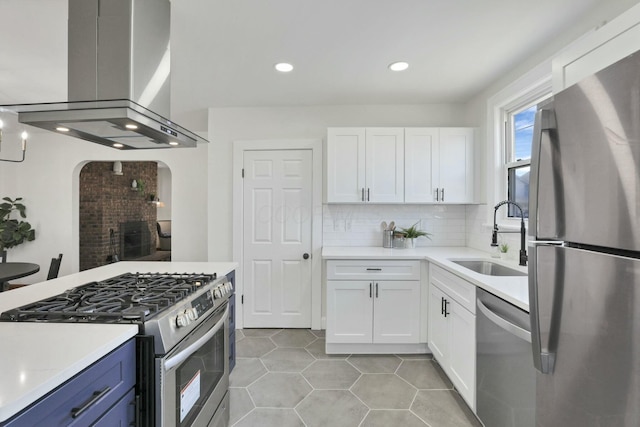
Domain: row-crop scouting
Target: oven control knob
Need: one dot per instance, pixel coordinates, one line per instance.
(217, 294)
(192, 314)
(182, 320)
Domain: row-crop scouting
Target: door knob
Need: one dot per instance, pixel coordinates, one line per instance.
(305, 256)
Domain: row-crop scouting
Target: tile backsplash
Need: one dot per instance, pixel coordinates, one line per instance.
(359, 225)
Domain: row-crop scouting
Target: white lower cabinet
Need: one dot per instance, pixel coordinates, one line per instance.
(378, 302)
(373, 311)
(452, 329)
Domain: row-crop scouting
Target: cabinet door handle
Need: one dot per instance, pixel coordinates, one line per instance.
(446, 313)
(442, 198)
(97, 395)
(437, 194)
(368, 199)
(441, 305)
(370, 290)
(376, 290)
(374, 269)
(362, 194)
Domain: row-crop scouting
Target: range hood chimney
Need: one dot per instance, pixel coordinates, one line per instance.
(118, 78)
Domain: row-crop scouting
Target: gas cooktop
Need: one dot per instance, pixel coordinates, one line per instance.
(127, 298)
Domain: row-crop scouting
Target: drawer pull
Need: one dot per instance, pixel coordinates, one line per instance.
(97, 395)
(374, 269)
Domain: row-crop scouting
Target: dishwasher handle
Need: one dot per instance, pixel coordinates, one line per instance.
(504, 323)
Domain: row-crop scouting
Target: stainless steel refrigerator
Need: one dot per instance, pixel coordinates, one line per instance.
(584, 273)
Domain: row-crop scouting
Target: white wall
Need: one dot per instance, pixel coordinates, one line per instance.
(232, 124)
(48, 182)
(164, 191)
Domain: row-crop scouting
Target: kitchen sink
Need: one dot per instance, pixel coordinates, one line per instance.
(489, 268)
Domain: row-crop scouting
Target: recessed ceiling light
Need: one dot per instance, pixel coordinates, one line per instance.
(131, 126)
(398, 66)
(118, 145)
(62, 129)
(173, 143)
(284, 67)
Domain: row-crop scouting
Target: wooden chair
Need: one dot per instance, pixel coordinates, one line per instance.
(54, 268)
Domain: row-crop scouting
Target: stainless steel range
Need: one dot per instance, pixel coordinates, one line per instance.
(183, 341)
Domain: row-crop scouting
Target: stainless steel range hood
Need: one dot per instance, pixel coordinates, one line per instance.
(119, 78)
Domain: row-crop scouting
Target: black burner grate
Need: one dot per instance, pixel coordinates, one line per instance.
(128, 298)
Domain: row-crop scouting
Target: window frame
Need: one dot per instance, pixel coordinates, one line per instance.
(527, 98)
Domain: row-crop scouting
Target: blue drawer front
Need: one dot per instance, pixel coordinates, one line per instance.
(89, 394)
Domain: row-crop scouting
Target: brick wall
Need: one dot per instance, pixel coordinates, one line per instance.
(106, 200)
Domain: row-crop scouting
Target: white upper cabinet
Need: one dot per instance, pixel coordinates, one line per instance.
(421, 151)
(597, 50)
(365, 165)
(439, 165)
(384, 166)
(345, 165)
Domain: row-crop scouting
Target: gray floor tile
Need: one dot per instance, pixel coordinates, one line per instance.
(320, 333)
(443, 408)
(331, 374)
(387, 418)
(293, 338)
(270, 417)
(331, 408)
(246, 372)
(240, 404)
(287, 360)
(317, 348)
(424, 374)
(260, 332)
(375, 364)
(384, 391)
(279, 390)
(331, 391)
(254, 347)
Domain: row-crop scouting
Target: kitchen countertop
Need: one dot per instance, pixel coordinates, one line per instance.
(513, 289)
(35, 358)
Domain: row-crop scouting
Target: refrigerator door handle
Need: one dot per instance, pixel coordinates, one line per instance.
(504, 323)
(544, 121)
(543, 356)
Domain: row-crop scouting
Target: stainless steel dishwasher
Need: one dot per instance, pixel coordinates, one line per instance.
(506, 379)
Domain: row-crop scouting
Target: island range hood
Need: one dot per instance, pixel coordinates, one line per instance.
(118, 78)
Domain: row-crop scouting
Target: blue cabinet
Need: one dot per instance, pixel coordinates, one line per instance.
(103, 393)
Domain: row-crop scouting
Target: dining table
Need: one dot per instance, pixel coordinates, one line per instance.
(15, 270)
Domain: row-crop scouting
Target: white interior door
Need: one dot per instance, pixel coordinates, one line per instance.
(277, 234)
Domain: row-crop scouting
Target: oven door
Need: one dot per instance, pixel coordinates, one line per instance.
(194, 376)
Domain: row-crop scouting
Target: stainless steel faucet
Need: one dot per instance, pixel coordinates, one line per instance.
(523, 231)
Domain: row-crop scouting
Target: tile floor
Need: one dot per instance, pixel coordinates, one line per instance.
(284, 378)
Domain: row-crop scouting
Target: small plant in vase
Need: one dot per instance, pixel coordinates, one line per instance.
(413, 233)
(504, 248)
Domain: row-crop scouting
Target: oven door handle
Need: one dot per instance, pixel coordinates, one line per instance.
(184, 354)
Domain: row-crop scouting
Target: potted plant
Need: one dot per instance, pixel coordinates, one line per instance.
(413, 233)
(504, 248)
(14, 232)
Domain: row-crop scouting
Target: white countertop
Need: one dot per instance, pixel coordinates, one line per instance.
(513, 289)
(35, 358)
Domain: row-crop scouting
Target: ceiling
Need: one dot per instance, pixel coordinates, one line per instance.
(223, 51)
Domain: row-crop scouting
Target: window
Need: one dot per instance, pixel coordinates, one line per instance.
(518, 141)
